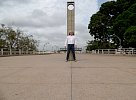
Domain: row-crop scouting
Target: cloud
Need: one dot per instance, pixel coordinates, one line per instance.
(9, 3)
(37, 19)
(46, 19)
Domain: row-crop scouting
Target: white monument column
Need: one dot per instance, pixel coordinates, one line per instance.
(70, 20)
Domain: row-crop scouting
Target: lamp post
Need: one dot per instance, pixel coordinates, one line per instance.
(56, 48)
(120, 46)
(44, 46)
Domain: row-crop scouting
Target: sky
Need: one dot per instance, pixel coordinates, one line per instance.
(46, 19)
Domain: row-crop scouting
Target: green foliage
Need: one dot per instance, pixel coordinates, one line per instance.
(109, 8)
(123, 22)
(114, 17)
(130, 36)
(15, 39)
(97, 25)
(92, 45)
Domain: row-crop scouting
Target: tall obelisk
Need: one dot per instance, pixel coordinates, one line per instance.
(70, 16)
(70, 20)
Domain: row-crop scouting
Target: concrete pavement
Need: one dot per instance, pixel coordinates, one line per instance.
(49, 77)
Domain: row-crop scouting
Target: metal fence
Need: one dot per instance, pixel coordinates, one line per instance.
(77, 50)
(65, 49)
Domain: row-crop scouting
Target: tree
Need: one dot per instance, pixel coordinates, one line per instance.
(130, 36)
(16, 39)
(97, 44)
(97, 26)
(113, 19)
(101, 23)
(2, 39)
(123, 22)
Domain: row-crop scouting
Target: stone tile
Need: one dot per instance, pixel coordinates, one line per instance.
(102, 75)
(36, 75)
(48, 77)
(35, 92)
(104, 92)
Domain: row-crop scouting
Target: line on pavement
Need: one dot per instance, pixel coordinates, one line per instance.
(71, 81)
(94, 67)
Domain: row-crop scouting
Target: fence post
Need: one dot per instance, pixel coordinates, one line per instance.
(108, 51)
(94, 51)
(2, 51)
(19, 51)
(33, 51)
(27, 51)
(132, 50)
(116, 51)
(102, 51)
(10, 51)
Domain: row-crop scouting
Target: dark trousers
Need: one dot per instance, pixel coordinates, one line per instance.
(71, 48)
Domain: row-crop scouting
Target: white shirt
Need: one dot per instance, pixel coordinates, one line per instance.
(70, 40)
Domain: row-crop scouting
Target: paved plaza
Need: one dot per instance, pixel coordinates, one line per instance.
(49, 77)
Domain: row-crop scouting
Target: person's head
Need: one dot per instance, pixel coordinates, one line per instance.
(71, 33)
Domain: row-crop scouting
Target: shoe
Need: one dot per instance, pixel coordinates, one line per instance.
(66, 60)
(75, 60)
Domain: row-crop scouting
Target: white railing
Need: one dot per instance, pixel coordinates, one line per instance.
(104, 51)
(22, 52)
(125, 51)
(15, 52)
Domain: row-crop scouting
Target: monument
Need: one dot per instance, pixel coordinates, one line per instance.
(70, 20)
(70, 16)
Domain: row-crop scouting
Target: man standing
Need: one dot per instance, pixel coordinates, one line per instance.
(70, 43)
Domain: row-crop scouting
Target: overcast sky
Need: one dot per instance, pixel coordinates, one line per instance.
(46, 19)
